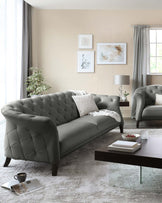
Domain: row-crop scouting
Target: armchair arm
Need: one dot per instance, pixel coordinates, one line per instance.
(110, 103)
(30, 137)
(140, 105)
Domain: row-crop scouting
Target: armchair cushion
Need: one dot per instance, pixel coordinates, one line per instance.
(152, 112)
(158, 99)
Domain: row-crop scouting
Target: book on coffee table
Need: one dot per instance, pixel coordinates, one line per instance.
(124, 146)
(122, 143)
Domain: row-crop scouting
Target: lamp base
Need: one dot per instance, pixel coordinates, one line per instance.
(120, 92)
(123, 99)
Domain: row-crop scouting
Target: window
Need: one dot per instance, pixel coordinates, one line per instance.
(155, 58)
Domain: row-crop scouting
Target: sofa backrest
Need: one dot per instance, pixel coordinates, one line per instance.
(150, 92)
(59, 107)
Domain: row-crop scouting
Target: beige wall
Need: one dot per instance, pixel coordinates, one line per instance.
(55, 46)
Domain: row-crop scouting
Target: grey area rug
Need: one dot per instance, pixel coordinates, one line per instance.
(81, 179)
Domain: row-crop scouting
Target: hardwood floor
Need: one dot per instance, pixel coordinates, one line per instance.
(131, 124)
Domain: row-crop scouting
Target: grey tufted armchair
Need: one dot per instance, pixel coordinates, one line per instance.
(143, 106)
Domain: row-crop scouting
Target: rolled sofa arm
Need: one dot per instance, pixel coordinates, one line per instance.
(109, 102)
(140, 105)
(30, 137)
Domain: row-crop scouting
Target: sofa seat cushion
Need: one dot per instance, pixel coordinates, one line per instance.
(152, 112)
(102, 122)
(158, 99)
(78, 132)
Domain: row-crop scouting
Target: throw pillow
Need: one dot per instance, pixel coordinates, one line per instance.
(85, 104)
(158, 99)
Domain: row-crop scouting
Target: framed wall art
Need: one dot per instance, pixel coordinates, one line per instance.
(86, 61)
(85, 41)
(111, 53)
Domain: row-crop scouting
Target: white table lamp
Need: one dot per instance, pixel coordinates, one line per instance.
(121, 80)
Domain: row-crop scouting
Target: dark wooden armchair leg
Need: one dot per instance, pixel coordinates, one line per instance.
(137, 124)
(54, 169)
(121, 128)
(7, 162)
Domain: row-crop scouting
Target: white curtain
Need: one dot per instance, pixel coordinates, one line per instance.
(10, 50)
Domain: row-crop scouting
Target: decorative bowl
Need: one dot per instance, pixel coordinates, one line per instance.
(130, 137)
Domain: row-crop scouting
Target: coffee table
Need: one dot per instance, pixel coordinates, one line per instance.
(150, 155)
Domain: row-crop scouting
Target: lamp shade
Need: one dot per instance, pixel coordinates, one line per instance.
(121, 79)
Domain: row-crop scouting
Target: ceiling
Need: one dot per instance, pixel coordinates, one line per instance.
(96, 4)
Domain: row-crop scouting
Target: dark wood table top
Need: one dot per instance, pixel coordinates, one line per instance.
(149, 155)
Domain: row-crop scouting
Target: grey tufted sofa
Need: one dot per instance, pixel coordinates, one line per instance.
(46, 128)
(143, 106)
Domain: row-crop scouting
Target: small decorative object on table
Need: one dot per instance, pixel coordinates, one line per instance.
(130, 137)
(124, 96)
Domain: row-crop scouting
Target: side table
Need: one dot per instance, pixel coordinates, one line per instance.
(124, 103)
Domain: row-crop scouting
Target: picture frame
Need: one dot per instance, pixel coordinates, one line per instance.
(85, 41)
(85, 61)
(111, 53)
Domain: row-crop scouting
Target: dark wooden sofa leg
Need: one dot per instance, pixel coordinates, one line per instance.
(121, 128)
(7, 162)
(54, 169)
(137, 124)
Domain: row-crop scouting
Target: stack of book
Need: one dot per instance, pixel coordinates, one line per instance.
(124, 146)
